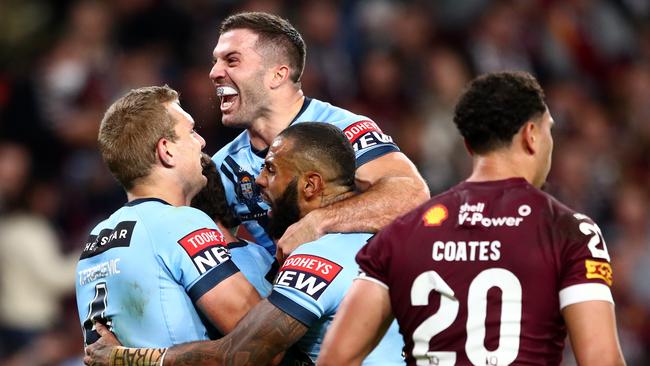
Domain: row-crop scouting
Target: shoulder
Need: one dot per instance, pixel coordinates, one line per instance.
(241, 142)
(326, 112)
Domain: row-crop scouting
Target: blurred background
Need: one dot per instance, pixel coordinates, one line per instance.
(402, 63)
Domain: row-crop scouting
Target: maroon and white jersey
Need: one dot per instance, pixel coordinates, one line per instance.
(478, 275)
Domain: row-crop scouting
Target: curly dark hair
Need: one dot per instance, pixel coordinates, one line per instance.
(495, 106)
(212, 198)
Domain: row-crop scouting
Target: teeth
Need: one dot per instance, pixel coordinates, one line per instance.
(226, 90)
(226, 105)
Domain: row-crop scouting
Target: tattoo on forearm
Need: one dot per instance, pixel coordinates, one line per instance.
(136, 356)
(265, 332)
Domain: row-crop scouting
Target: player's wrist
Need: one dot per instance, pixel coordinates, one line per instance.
(125, 356)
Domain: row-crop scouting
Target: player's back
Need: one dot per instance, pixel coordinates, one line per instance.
(311, 285)
(478, 275)
(133, 272)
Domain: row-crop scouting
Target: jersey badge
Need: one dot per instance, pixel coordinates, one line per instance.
(206, 247)
(600, 270)
(308, 273)
(436, 215)
(246, 189)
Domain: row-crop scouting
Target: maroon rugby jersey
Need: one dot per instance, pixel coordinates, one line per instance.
(478, 274)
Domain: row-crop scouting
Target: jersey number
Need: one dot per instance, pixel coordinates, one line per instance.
(96, 312)
(475, 349)
(591, 229)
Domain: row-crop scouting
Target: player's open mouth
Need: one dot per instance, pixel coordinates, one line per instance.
(228, 95)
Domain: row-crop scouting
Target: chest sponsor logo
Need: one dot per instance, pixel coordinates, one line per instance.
(473, 215)
(600, 270)
(364, 134)
(206, 247)
(120, 236)
(436, 215)
(308, 273)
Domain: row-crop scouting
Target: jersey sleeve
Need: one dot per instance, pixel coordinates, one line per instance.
(194, 252)
(374, 258)
(586, 270)
(368, 141)
(306, 287)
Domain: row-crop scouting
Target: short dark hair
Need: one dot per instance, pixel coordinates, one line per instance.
(495, 106)
(319, 146)
(131, 128)
(275, 31)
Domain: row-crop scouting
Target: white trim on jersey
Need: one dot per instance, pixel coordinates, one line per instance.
(584, 292)
(365, 277)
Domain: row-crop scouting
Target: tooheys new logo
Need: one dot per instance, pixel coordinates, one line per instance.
(364, 134)
(308, 273)
(206, 247)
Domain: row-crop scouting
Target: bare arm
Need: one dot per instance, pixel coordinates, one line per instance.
(592, 329)
(390, 185)
(265, 332)
(228, 302)
(361, 321)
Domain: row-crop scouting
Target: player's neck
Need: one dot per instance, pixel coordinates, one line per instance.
(497, 166)
(171, 193)
(280, 115)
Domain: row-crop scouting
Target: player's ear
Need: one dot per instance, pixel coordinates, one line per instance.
(529, 137)
(279, 76)
(312, 185)
(165, 152)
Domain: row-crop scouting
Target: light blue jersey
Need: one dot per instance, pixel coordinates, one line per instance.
(311, 285)
(143, 270)
(239, 164)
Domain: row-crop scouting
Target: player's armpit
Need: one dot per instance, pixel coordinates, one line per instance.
(592, 330)
(360, 323)
(264, 333)
(228, 302)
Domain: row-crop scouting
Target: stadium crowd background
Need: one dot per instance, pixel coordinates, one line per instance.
(402, 63)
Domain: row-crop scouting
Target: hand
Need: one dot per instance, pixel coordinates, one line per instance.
(99, 353)
(306, 230)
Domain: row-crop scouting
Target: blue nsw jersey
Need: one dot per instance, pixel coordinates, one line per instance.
(143, 269)
(311, 285)
(239, 164)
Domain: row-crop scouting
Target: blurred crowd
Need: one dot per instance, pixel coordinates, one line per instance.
(402, 63)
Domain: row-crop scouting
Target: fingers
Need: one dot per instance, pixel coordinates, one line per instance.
(101, 329)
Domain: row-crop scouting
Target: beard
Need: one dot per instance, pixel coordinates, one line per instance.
(285, 211)
(253, 104)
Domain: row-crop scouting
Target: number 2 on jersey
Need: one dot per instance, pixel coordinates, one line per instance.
(509, 330)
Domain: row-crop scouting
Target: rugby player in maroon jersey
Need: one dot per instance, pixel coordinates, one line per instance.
(493, 271)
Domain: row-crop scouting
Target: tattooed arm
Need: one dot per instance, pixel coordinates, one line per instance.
(265, 332)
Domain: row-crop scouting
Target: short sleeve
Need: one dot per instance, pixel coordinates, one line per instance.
(194, 252)
(306, 287)
(368, 141)
(586, 270)
(374, 258)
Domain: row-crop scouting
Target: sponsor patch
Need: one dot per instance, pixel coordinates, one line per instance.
(600, 270)
(206, 247)
(308, 273)
(436, 215)
(107, 239)
(364, 134)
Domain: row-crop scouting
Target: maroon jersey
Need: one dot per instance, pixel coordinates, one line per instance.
(478, 275)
